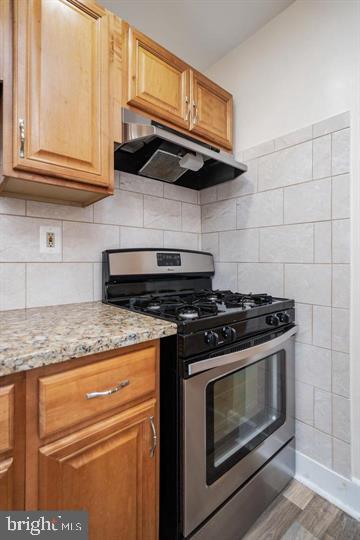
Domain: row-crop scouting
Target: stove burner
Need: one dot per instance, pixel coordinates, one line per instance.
(246, 301)
(153, 306)
(188, 313)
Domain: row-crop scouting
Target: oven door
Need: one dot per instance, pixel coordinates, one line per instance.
(238, 412)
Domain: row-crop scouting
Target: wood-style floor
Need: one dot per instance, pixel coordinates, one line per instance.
(299, 514)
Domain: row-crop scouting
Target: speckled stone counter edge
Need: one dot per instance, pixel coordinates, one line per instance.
(40, 337)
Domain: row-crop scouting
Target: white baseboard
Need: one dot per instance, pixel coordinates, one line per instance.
(328, 484)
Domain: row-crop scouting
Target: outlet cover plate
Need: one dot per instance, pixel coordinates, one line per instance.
(56, 231)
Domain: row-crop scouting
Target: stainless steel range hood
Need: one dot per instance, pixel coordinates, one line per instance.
(152, 150)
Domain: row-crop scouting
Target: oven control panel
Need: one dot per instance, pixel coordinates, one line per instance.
(213, 338)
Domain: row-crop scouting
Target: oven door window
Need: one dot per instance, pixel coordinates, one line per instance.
(243, 408)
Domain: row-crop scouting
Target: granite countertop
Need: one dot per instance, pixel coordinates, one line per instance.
(37, 337)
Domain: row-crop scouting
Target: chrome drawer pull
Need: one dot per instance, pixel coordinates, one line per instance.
(154, 437)
(122, 384)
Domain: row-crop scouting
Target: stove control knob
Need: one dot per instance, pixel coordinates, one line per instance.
(284, 317)
(211, 338)
(273, 320)
(228, 332)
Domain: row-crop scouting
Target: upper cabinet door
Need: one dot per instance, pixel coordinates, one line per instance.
(158, 82)
(211, 115)
(61, 90)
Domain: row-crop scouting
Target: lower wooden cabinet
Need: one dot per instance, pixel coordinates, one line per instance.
(103, 456)
(108, 469)
(7, 484)
(12, 442)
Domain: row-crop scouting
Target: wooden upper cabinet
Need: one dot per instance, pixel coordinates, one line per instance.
(61, 90)
(158, 82)
(109, 470)
(168, 89)
(212, 113)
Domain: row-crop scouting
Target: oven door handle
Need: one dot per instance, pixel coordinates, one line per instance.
(231, 358)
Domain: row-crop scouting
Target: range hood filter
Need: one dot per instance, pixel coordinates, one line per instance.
(163, 166)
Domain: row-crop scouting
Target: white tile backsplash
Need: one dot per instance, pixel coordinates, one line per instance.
(259, 277)
(334, 123)
(123, 208)
(341, 373)
(322, 326)
(132, 237)
(59, 211)
(340, 330)
(140, 184)
(260, 209)
(12, 286)
(162, 213)
(210, 243)
(313, 366)
(191, 217)
(225, 276)
(340, 152)
(181, 240)
(323, 411)
(295, 137)
(239, 245)
(20, 239)
(218, 216)
(342, 458)
(180, 193)
(308, 202)
(341, 241)
(288, 243)
(322, 157)
(322, 242)
(304, 406)
(341, 196)
(304, 322)
(68, 283)
(285, 167)
(341, 417)
(308, 283)
(12, 206)
(86, 241)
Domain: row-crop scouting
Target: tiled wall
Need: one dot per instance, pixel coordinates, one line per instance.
(142, 212)
(283, 228)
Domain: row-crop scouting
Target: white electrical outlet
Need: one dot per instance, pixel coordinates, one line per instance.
(50, 239)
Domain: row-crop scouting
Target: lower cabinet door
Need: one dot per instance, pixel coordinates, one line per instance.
(7, 484)
(110, 470)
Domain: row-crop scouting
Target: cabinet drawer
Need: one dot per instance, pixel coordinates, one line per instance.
(77, 395)
(6, 417)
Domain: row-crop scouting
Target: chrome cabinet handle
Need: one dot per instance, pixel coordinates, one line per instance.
(187, 115)
(122, 384)
(154, 436)
(195, 115)
(22, 138)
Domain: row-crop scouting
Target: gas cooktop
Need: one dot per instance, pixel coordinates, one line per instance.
(189, 306)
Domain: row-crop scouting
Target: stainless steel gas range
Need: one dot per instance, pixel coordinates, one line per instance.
(226, 390)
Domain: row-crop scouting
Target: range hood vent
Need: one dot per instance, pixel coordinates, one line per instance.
(151, 150)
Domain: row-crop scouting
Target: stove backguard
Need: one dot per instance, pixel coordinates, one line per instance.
(134, 272)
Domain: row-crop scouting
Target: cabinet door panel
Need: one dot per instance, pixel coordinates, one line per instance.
(212, 111)
(158, 81)
(6, 484)
(61, 90)
(107, 470)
